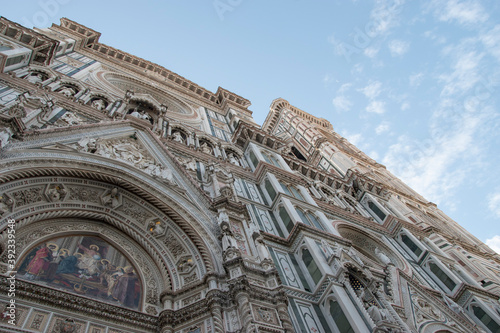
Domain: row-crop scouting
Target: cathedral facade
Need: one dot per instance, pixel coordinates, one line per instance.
(135, 200)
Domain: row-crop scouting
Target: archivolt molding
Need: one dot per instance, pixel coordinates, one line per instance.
(34, 201)
(367, 243)
(161, 201)
(119, 83)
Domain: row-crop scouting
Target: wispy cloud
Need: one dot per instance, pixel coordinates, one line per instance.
(377, 107)
(465, 71)
(494, 204)
(416, 79)
(371, 52)
(465, 12)
(382, 127)
(430, 167)
(385, 16)
(372, 90)
(341, 102)
(398, 47)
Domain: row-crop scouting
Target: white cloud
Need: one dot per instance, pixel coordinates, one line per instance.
(494, 205)
(405, 106)
(491, 41)
(465, 73)
(372, 90)
(416, 79)
(373, 154)
(371, 52)
(437, 166)
(494, 243)
(377, 107)
(383, 127)
(341, 103)
(466, 12)
(398, 47)
(384, 16)
(356, 139)
(344, 88)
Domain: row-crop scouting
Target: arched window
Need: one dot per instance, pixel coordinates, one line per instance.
(292, 191)
(442, 276)
(309, 218)
(311, 266)
(485, 318)
(270, 189)
(410, 244)
(287, 221)
(271, 159)
(340, 318)
(376, 210)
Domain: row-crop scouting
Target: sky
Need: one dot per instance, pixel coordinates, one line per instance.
(414, 84)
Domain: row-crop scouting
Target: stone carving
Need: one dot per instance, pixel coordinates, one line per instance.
(56, 193)
(140, 114)
(326, 249)
(227, 237)
(67, 91)
(262, 248)
(6, 204)
(35, 77)
(174, 246)
(70, 119)
(5, 135)
(135, 211)
(83, 194)
(157, 229)
(383, 258)
(28, 196)
(112, 198)
(352, 253)
(232, 159)
(223, 217)
(65, 326)
(177, 136)
(376, 313)
(206, 148)
(185, 264)
(98, 104)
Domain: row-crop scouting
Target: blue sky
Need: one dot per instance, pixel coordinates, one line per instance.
(415, 84)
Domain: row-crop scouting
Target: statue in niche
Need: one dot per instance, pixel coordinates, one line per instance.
(262, 248)
(67, 91)
(71, 119)
(177, 136)
(206, 148)
(191, 164)
(383, 257)
(232, 159)
(98, 104)
(227, 237)
(136, 113)
(375, 312)
(35, 78)
(352, 253)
